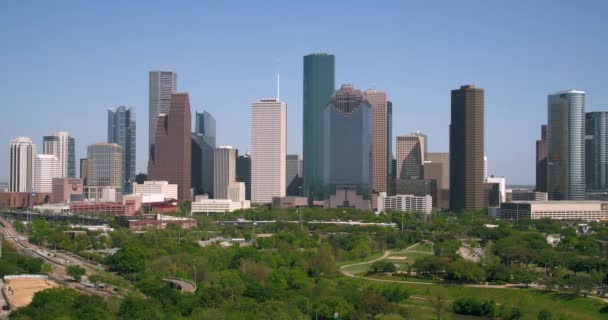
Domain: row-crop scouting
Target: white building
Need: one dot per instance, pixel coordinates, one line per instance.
(21, 165)
(61, 145)
(156, 187)
(224, 170)
(46, 168)
(236, 191)
(218, 205)
(502, 186)
(573, 210)
(405, 203)
(268, 149)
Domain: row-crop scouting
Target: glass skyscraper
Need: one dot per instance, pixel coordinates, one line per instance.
(319, 85)
(566, 145)
(122, 131)
(205, 127)
(596, 150)
(347, 144)
(203, 149)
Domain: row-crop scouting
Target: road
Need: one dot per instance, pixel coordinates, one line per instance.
(185, 285)
(58, 261)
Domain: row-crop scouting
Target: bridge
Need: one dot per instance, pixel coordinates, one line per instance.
(183, 285)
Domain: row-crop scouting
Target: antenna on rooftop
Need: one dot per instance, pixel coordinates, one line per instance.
(278, 87)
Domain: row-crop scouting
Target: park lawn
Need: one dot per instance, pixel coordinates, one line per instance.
(359, 268)
(423, 248)
(373, 256)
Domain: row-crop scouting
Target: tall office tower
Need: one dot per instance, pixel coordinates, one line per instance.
(566, 145)
(541, 160)
(467, 189)
(293, 175)
(203, 149)
(21, 164)
(84, 170)
(62, 146)
(171, 154)
(596, 150)
(243, 173)
(268, 149)
(437, 167)
(319, 85)
(205, 127)
(389, 149)
(224, 173)
(122, 131)
(162, 85)
(379, 172)
(105, 165)
(410, 156)
(347, 143)
(46, 167)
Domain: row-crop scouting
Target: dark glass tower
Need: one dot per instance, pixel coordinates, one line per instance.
(205, 127)
(243, 173)
(319, 85)
(467, 189)
(596, 150)
(203, 149)
(122, 131)
(541, 160)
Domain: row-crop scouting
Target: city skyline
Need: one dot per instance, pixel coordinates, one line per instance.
(420, 82)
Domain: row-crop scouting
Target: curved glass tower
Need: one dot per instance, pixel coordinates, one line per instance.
(566, 145)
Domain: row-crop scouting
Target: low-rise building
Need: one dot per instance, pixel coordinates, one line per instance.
(156, 187)
(289, 202)
(526, 195)
(405, 203)
(347, 197)
(22, 200)
(67, 190)
(556, 210)
(218, 205)
(155, 221)
(110, 208)
(53, 208)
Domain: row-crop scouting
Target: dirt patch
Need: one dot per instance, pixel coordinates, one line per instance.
(20, 292)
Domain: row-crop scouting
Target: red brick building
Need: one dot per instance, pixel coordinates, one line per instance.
(156, 221)
(64, 188)
(102, 208)
(10, 200)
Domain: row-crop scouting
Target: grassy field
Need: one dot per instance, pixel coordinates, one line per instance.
(403, 258)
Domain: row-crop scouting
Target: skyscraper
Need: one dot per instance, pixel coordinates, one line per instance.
(566, 145)
(122, 131)
(410, 156)
(62, 146)
(268, 149)
(162, 84)
(84, 170)
(21, 165)
(105, 165)
(319, 85)
(171, 154)
(437, 167)
(347, 142)
(46, 168)
(596, 150)
(541, 160)
(467, 189)
(243, 173)
(293, 175)
(380, 131)
(224, 173)
(389, 149)
(203, 149)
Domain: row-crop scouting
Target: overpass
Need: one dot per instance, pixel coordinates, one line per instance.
(183, 285)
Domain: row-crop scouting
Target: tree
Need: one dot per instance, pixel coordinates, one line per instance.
(19, 226)
(128, 259)
(63, 303)
(439, 303)
(544, 315)
(75, 272)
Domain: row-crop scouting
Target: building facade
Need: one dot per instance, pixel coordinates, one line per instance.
(293, 175)
(203, 149)
(380, 131)
(243, 173)
(171, 155)
(224, 172)
(467, 149)
(169, 191)
(84, 170)
(161, 85)
(437, 167)
(566, 145)
(268, 150)
(105, 165)
(122, 131)
(46, 168)
(410, 156)
(541, 160)
(218, 205)
(62, 146)
(347, 142)
(67, 190)
(405, 203)
(574, 210)
(319, 85)
(205, 127)
(596, 150)
(22, 153)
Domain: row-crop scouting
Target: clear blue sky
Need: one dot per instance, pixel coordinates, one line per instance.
(63, 63)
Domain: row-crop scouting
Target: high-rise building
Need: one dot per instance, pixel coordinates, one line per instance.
(319, 85)
(22, 165)
(541, 160)
(380, 131)
(62, 146)
(410, 156)
(171, 154)
(485, 168)
(162, 84)
(122, 131)
(268, 149)
(243, 173)
(566, 145)
(596, 150)
(84, 170)
(437, 167)
(224, 173)
(347, 144)
(203, 149)
(46, 168)
(467, 189)
(389, 149)
(105, 165)
(293, 175)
